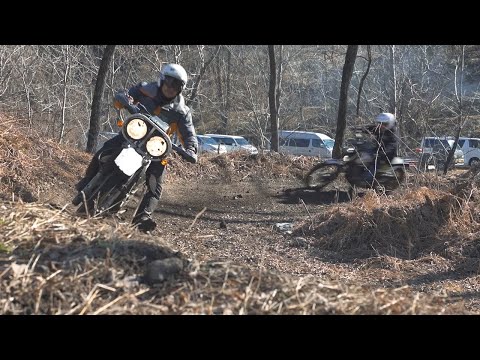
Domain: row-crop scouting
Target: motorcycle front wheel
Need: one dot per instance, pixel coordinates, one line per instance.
(321, 175)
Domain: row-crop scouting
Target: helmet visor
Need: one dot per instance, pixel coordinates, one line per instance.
(173, 83)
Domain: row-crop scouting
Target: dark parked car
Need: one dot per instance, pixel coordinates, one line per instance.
(434, 151)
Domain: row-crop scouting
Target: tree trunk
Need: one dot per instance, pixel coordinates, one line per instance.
(459, 98)
(393, 94)
(97, 99)
(393, 76)
(228, 84)
(204, 67)
(272, 99)
(223, 94)
(279, 83)
(342, 103)
(362, 80)
(64, 98)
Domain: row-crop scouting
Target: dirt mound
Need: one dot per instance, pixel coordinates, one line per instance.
(240, 166)
(31, 165)
(410, 224)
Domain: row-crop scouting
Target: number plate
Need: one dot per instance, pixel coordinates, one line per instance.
(129, 161)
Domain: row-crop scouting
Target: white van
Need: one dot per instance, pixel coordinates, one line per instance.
(471, 149)
(234, 143)
(305, 143)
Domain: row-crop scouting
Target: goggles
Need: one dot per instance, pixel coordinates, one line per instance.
(173, 83)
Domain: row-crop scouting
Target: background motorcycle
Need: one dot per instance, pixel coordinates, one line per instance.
(123, 170)
(358, 172)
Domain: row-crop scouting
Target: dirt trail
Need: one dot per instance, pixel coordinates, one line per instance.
(238, 225)
(224, 210)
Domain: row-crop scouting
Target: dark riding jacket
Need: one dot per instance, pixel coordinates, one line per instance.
(174, 112)
(386, 140)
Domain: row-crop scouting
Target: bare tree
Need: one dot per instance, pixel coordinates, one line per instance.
(27, 70)
(6, 66)
(393, 78)
(414, 81)
(278, 92)
(362, 80)
(201, 73)
(64, 98)
(273, 98)
(224, 86)
(97, 98)
(459, 99)
(342, 103)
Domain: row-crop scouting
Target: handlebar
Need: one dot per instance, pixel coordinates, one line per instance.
(183, 153)
(123, 99)
(135, 109)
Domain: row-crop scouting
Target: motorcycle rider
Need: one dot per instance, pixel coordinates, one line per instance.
(384, 130)
(161, 96)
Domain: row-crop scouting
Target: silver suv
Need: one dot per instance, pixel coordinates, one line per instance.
(208, 145)
(434, 151)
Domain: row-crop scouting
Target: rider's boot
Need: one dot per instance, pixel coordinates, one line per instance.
(143, 218)
(82, 183)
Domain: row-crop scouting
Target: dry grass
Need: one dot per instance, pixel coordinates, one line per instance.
(408, 224)
(240, 166)
(53, 263)
(30, 164)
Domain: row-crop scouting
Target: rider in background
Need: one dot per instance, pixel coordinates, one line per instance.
(162, 96)
(384, 129)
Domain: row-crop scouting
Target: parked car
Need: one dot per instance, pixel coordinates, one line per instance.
(471, 150)
(434, 150)
(234, 143)
(305, 143)
(206, 144)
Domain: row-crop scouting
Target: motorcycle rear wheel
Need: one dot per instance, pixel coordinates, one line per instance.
(395, 181)
(321, 175)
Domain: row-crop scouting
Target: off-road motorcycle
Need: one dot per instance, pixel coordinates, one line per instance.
(122, 171)
(358, 172)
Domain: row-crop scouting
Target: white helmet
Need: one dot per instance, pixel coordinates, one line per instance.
(175, 71)
(386, 119)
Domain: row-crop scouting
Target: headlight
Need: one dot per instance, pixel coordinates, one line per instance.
(156, 146)
(137, 129)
